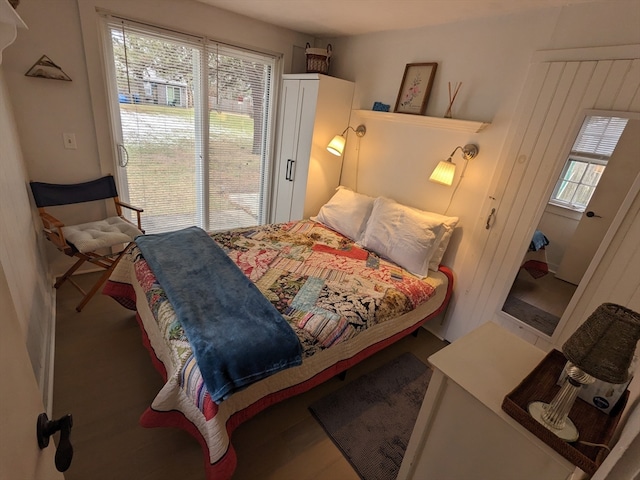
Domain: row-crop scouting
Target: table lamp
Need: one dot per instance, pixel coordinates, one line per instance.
(601, 348)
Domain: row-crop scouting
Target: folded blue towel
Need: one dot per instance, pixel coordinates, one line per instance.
(237, 335)
(538, 241)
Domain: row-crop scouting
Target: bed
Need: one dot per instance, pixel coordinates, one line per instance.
(343, 300)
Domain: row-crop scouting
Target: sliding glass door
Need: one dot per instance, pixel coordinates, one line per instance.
(191, 126)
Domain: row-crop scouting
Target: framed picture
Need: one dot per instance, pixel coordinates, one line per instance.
(415, 88)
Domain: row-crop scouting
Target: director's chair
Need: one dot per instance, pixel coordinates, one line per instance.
(83, 241)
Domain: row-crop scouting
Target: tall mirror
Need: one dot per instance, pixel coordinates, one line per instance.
(601, 167)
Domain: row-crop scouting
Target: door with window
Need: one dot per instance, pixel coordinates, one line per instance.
(191, 121)
(20, 402)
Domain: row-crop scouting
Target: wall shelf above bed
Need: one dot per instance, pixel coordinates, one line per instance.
(431, 122)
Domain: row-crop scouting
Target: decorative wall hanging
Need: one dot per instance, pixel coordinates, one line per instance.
(45, 68)
(415, 88)
(452, 97)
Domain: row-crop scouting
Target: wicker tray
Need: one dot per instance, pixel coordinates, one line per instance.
(594, 426)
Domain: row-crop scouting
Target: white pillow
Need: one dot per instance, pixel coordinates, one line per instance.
(404, 235)
(448, 224)
(346, 212)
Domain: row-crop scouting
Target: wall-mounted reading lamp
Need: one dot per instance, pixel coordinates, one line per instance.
(446, 169)
(336, 145)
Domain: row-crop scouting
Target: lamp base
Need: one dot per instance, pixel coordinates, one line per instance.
(568, 433)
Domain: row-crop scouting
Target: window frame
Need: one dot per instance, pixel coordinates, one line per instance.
(574, 158)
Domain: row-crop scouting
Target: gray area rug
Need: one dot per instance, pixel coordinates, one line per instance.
(537, 318)
(371, 418)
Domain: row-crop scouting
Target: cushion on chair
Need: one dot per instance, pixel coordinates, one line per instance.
(88, 237)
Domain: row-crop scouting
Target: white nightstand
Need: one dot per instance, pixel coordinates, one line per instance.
(462, 433)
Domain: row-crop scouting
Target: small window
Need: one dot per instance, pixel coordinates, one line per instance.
(173, 96)
(587, 161)
(577, 183)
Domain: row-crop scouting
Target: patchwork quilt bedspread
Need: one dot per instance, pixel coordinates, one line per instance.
(337, 297)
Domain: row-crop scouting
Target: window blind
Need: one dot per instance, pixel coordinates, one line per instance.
(599, 136)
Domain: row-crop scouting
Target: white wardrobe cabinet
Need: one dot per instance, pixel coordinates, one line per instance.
(313, 108)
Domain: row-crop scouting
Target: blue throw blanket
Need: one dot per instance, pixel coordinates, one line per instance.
(237, 335)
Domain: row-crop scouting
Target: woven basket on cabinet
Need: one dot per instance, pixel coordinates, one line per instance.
(318, 59)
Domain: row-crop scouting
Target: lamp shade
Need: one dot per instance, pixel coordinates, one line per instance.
(336, 145)
(443, 173)
(604, 345)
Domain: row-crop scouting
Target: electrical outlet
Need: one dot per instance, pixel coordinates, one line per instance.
(69, 141)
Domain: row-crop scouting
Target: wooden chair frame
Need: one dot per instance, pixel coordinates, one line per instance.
(105, 189)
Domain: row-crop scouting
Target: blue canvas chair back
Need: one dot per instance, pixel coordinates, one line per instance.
(51, 194)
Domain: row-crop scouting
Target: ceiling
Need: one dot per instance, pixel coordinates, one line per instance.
(334, 18)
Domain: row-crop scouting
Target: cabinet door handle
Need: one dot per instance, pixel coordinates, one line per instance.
(290, 165)
(287, 171)
(489, 218)
(123, 156)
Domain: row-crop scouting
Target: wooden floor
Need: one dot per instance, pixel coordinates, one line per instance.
(105, 379)
(548, 293)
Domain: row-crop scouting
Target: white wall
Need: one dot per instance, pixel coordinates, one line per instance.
(45, 109)
(558, 224)
(491, 58)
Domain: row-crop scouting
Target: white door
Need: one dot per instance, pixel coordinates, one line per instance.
(308, 101)
(286, 154)
(20, 404)
(298, 105)
(623, 167)
(191, 122)
(555, 94)
(159, 146)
